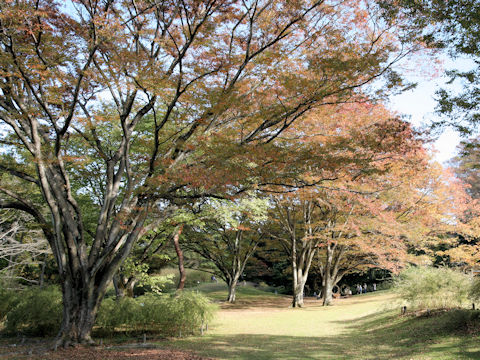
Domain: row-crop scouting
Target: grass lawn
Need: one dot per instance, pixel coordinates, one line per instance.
(262, 326)
(362, 327)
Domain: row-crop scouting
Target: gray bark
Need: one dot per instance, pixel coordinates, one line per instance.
(330, 271)
(232, 289)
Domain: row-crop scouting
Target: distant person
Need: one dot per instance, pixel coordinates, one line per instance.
(374, 287)
(214, 279)
(359, 289)
(364, 288)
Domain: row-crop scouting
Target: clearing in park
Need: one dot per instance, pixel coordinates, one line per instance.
(261, 326)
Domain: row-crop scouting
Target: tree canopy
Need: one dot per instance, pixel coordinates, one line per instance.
(116, 114)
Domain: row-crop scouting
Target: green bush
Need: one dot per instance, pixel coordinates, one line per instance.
(118, 314)
(8, 300)
(433, 288)
(36, 312)
(162, 314)
(475, 290)
(385, 285)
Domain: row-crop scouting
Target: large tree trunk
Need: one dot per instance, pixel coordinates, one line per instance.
(83, 290)
(299, 281)
(327, 278)
(80, 306)
(300, 277)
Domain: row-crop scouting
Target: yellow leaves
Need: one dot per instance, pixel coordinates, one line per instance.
(464, 254)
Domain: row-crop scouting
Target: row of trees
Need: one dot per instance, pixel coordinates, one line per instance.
(123, 121)
(384, 216)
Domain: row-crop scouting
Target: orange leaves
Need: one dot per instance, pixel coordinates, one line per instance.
(379, 194)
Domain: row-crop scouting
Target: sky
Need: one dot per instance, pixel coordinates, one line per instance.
(419, 104)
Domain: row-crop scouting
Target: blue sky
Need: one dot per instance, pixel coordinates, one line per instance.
(419, 104)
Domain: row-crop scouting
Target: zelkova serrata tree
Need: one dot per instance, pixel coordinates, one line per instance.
(356, 152)
(228, 235)
(160, 100)
(380, 220)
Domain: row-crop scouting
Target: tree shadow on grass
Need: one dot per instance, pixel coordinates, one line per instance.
(379, 336)
(442, 335)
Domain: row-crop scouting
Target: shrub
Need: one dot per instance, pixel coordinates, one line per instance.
(118, 314)
(385, 285)
(162, 314)
(475, 289)
(194, 277)
(8, 300)
(36, 312)
(433, 288)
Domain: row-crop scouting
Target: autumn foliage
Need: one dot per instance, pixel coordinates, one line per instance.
(118, 113)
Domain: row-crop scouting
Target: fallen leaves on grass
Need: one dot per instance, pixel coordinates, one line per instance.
(100, 353)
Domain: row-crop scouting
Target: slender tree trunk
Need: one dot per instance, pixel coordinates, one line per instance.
(330, 276)
(327, 279)
(327, 290)
(298, 295)
(232, 288)
(299, 286)
(301, 267)
(10, 271)
(178, 250)
(41, 281)
(130, 286)
(297, 289)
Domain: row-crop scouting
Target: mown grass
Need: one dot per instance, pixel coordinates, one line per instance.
(219, 291)
(362, 327)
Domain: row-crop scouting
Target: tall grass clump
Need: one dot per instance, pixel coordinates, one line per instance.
(433, 288)
(35, 311)
(38, 312)
(166, 315)
(8, 300)
(475, 289)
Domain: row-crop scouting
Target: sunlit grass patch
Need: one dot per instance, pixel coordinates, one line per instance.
(363, 327)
